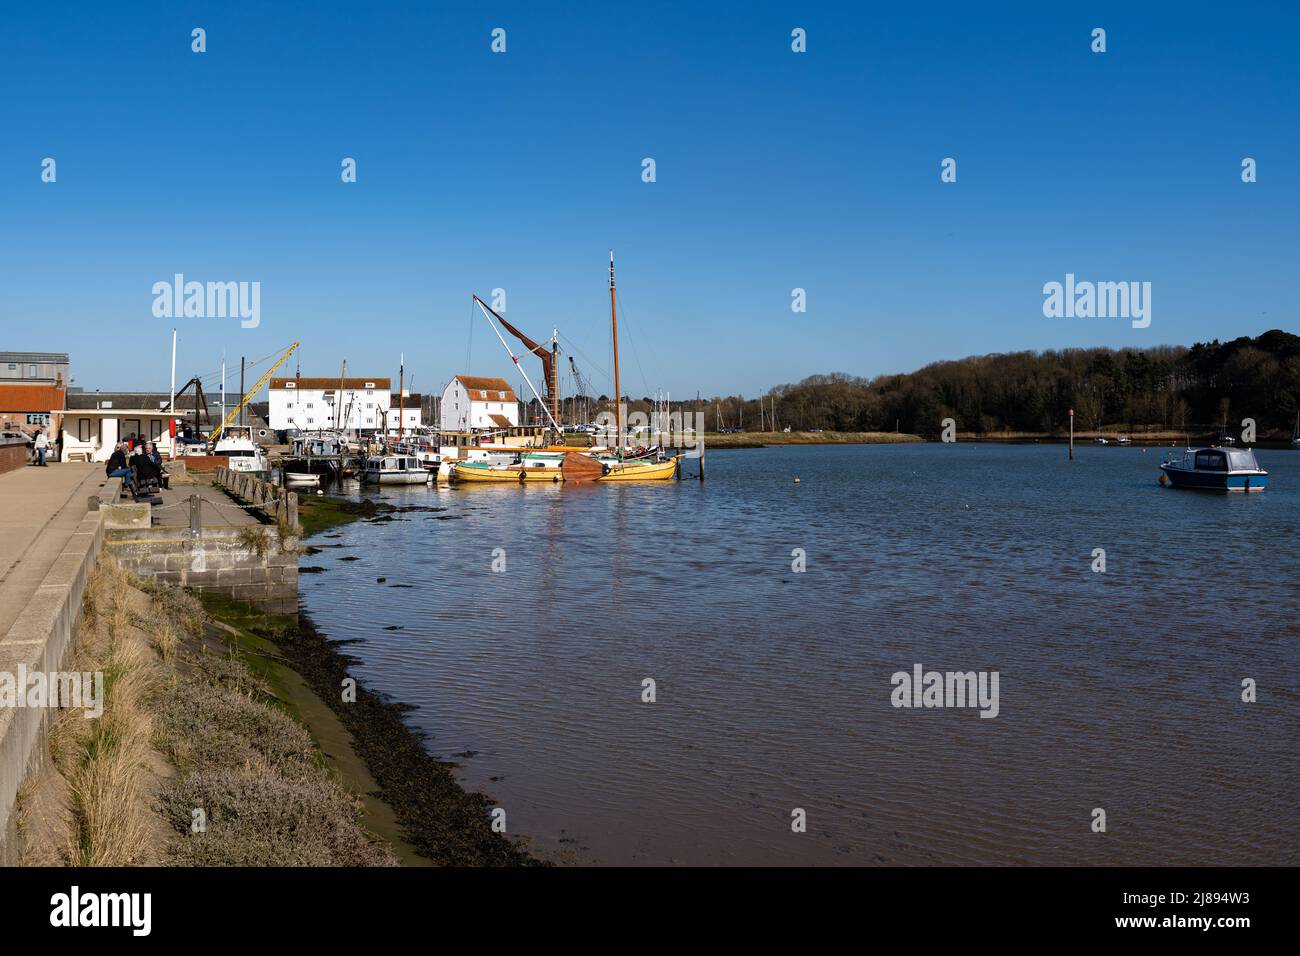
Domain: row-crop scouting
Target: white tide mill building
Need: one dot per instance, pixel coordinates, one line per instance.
(478, 403)
(312, 404)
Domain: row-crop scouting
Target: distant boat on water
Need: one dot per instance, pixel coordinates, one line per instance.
(1216, 469)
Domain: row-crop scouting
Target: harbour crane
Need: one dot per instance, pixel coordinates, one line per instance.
(581, 384)
(200, 402)
(257, 387)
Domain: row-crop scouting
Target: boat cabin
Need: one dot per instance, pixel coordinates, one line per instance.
(1225, 460)
(394, 463)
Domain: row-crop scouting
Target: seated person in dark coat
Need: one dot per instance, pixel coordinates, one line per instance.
(146, 470)
(151, 452)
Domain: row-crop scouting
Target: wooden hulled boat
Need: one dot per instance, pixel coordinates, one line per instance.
(531, 466)
(637, 470)
(561, 463)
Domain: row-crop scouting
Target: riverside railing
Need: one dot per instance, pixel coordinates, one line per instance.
(276, 503)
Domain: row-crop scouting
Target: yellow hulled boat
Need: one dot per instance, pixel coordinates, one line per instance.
(569, 466)
(559, 462)
(640, 470)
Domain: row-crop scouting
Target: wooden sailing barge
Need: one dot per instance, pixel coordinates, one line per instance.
(559, 462)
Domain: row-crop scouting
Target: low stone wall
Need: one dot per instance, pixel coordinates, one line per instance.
(41, 640)
(13, 454)
(106, 495)
(249, 564)
(272, 501)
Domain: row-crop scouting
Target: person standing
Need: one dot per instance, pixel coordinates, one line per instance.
(42, 446)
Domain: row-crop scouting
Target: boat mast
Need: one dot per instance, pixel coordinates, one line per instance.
(338, 402)
(618, 396)
(401, 393)
(487, 314)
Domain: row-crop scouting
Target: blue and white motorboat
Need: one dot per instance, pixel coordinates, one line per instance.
(1216, 469)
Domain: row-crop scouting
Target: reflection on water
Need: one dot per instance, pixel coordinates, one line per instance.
(1118, 690)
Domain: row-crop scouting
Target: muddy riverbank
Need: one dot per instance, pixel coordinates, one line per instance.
(445, 824)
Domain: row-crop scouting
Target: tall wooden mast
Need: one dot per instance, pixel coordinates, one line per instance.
(618, 395)
(401, 394)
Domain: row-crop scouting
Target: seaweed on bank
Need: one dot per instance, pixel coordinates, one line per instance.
(323, 513)
(444, 822)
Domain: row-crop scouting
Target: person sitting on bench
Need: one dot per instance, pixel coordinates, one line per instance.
(148, 475)
(117, 466)
(151, 452)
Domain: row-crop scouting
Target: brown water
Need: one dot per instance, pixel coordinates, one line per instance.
(1119, 690)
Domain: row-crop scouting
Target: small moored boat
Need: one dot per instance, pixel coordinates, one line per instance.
(394, 470)
(244, 455)
(1216, 469)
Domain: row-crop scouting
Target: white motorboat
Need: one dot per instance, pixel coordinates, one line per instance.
(394, 470)
(245, 455)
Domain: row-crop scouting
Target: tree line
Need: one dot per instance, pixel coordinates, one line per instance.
(1204, 388)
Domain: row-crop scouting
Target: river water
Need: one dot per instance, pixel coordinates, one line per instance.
(1118, 690)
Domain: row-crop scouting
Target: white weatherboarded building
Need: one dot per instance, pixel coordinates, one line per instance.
(312, 404)
(477, 403)
(410, 416)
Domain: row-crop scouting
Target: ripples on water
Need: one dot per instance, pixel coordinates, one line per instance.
(1118, 690)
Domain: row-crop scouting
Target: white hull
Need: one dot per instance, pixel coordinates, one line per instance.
(420, 477)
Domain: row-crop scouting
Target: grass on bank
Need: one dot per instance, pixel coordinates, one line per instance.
(194, 760)
(103, 760)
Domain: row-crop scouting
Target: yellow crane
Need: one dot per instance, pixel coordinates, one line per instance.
(257, 387)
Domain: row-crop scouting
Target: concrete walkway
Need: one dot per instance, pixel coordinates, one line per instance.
(218, 509)
(40, 509)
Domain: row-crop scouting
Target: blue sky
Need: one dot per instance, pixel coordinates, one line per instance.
(520, 170)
